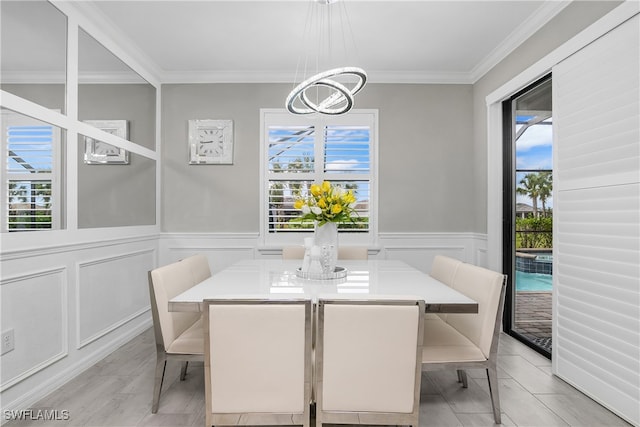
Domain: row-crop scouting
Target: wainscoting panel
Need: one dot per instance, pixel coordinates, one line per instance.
(110, 292)
(221, 249)
(70, 305)
(419, 249)
(416, 249)
(34, 305)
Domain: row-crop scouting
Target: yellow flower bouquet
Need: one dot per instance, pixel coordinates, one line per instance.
(326, 203)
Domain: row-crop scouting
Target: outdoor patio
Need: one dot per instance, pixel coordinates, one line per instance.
(533, 316)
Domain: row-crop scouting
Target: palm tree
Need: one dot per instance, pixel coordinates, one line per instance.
(529, 187)
(545, 187)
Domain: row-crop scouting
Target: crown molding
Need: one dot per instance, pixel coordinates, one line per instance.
(374, 76)
(46, 77)
(102, 28)
(548, 10)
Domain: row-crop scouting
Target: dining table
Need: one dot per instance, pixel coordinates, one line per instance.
(359, 279)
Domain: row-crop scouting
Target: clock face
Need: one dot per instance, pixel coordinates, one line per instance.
(210, 142)
(100, 152)
(103, 149)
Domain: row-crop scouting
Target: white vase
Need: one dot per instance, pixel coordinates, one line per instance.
(326, 237)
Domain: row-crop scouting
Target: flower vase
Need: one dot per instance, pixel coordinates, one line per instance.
(326, 237)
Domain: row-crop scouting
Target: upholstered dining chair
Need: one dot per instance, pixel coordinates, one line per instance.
(178, 336)
(257, 365)
(199, 267)
(293, 252)
(368, 361)
(444, 269)
(465, 341)
(353, 252)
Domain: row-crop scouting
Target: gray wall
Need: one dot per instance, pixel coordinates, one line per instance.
(569, 22)
(118, 195)
(426, 179)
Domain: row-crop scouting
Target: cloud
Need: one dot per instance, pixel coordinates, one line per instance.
(535, 136)
(341, 165)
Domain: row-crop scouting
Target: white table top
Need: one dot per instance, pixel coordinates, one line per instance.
(271, 279)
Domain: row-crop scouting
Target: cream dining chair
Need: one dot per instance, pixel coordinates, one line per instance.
(368, 362)
(178, 336)
(463, 341)
(199, 267)
(257, 365)
(444, 269)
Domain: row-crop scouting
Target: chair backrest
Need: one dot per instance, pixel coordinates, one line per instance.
(444, 269)
(293, 252)
(353, 252)
(368, 356)
(257, 356)
(199, 267)
(485, 287)
(165, 283)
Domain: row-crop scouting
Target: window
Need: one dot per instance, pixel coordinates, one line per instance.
(298, 151)
(30, 156)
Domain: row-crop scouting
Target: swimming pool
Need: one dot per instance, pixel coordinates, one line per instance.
(533, 281)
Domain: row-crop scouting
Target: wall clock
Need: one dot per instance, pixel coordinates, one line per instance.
(210, 142)
(98, 152)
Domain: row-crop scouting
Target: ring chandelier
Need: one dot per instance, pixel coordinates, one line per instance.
(337, 85)
(340, 99)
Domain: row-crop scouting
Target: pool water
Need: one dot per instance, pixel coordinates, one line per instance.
(533, 281)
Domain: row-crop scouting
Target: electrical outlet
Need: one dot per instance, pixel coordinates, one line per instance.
(8, 341)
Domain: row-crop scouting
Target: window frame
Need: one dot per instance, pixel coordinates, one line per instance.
(357, 117)
(10, 119)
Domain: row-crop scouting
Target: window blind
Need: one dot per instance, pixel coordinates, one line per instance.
(596, 338)
(29, 168)
(299, 155)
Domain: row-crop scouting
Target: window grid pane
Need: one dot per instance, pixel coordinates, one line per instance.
(291, 149)
(29, 149)
(347, 149)
(29, 205)
(283, 217)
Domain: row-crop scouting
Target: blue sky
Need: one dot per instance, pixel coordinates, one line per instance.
(534, 151)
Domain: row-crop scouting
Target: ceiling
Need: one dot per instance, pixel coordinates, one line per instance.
(263, 41)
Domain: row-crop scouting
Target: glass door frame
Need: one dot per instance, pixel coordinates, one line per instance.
(509, 214)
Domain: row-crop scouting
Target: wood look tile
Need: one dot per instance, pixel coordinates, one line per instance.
(117, 392)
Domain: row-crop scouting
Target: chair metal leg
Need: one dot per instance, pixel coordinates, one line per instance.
(161, 365)
(183, 370)
(462, 378)
(492, 376)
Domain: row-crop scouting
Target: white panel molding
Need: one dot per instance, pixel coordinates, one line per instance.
(124, 257)
(64, 339)
(82, 343)
(65, 243)
(54, 380)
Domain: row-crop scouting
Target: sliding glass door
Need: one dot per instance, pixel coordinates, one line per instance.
(528, 214)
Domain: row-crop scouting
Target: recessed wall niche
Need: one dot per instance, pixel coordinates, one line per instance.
(33, 36)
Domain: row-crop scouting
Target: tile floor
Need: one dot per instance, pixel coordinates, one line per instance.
(116, 392)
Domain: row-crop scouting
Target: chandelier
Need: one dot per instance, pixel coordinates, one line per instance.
(332, 91)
